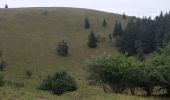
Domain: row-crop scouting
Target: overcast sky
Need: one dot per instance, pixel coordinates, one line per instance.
(130, 7)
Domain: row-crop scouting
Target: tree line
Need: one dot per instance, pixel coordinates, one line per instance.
(143, 36)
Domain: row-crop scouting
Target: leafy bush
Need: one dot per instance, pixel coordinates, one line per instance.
(120, 72)
(112, 70)
(58, 83)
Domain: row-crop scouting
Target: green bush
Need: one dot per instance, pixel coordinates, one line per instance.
(120, 72)
(111, 70)
(59, 83)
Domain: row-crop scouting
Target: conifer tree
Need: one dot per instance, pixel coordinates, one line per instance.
(87, 23)
(128, 39)
(62, 48)
(92, 40)
(118, 31)
(124, 16)
(104, 23)
(6, 6)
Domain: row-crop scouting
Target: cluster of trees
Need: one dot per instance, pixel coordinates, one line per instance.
(143, 35)
(59, 83)
(121, 72)
(92, 38)
(62, 46)
(87, 24)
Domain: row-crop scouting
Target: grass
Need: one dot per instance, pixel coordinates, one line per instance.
(28, 39)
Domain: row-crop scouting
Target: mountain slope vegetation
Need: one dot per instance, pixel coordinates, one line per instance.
(29, 37)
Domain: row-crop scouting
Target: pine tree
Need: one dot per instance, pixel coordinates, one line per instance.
(62, 48)
(104, 23)
(6, 6)
(87, 23)
(118, 31)
(110, 38)
(92, 40)
(127, 43)
(139, 50)
(124, 16)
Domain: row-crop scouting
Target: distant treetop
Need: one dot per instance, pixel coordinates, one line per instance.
(124, 16)
(6, 6)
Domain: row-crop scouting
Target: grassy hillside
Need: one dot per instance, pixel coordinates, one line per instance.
(28, 39)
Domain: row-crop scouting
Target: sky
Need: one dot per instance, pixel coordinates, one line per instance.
(138, 8)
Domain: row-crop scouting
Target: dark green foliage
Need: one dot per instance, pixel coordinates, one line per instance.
(139, 37)
(127, 43)
(119, 71)
(87, 23)
(104, 23)
(6, 6)
(153, 34)
(92, 40)
(59, 83)
(118, 31)
(62, 48)
(139, 50)
(161, 68)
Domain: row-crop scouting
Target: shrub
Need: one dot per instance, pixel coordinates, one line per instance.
(119, 72)
(59, 83)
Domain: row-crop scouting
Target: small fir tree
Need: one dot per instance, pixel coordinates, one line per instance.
(87, 23)
(6, 6)
(104, 23)
(92, 40)
(124, 16)
(62, 48)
